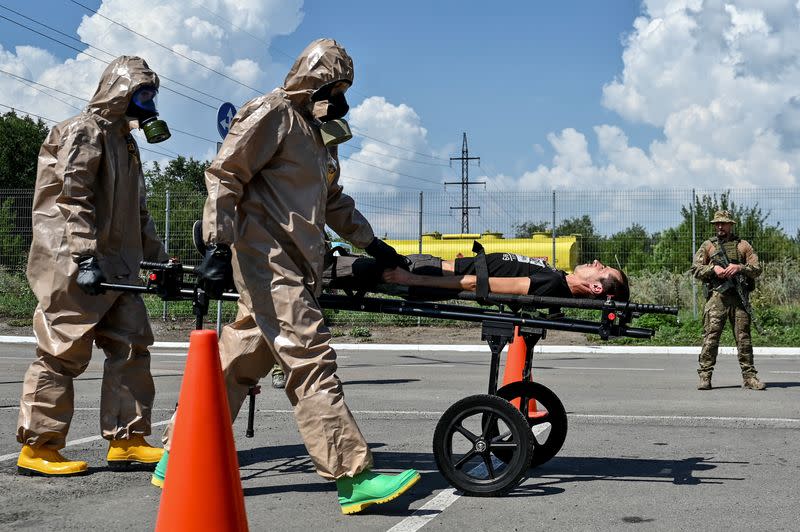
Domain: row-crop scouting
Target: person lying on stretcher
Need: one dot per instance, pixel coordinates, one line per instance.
(510, 273)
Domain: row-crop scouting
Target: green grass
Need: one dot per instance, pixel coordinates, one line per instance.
(781, 329)
(781, 322)
(17, 302)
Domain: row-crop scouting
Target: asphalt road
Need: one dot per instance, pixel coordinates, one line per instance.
(645, 449)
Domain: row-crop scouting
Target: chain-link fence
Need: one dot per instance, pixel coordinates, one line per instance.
(651, 234)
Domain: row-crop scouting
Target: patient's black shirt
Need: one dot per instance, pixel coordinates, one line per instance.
(545, 281)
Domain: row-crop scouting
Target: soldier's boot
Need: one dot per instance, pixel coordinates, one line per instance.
(705, 382)
(752, 383)
(133, 453)
(44, 462)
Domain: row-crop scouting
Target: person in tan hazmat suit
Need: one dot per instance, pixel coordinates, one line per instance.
(271, 190)
(90, 223)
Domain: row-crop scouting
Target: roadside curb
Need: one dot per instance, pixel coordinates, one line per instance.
(542, 349)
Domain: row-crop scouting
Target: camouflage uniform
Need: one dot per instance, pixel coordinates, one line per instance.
(724, 305)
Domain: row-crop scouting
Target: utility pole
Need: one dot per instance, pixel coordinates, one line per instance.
(465, 183)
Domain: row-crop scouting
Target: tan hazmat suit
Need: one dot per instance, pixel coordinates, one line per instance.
(90, 200)
(271, 190)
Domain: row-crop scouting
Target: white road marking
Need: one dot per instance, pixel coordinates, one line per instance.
(431, 365)
(480, 348)
(431, 509)
(427, 512)
(692, 421)
(600, 369)
(88, 409)
(790, 372)
(80, 441)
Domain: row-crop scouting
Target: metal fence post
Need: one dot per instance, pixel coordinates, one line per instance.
(554, 230)
(420, 222)
(166, 245)
(694, 247)
(419, 320)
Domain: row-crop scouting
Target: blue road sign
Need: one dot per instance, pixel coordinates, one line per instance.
(225, 114)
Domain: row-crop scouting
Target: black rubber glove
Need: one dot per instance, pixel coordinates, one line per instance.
(386, 256)
(216, 272)
(90, 276)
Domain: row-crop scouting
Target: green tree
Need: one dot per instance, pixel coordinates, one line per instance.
(526, 229)
(13, 251)
(179, 175)
(631, 249)
(185, 181)
(20, 140)
(590, 242)
(674, 252)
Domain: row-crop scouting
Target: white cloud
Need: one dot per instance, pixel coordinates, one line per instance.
(718, 78)
(370, 165)
(203, 35)
(204, 30)
(722, 82)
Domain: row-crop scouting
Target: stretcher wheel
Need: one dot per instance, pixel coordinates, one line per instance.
(548, 423)
(468, 437)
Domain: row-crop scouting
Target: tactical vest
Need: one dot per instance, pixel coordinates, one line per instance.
(731, 247)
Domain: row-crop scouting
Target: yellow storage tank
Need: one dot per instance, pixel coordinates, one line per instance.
(538, 245)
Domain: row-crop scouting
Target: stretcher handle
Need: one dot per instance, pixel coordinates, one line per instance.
(597, 304)
(185, 293)
(150, 265)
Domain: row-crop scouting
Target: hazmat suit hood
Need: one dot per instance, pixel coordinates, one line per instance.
(121, 78)
(322, 62)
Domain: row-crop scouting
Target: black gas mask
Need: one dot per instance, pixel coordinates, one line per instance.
(143, 109)
(329, 110)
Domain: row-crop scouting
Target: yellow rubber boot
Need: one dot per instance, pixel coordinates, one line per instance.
(45, 462)
(134, 453)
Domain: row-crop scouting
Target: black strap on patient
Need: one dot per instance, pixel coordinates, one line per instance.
(481, 272)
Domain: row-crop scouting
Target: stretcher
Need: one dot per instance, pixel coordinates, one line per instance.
(483, 444)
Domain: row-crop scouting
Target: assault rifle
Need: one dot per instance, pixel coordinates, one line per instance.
(737, 283)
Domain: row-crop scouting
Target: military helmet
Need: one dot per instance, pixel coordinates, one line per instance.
(723, 217)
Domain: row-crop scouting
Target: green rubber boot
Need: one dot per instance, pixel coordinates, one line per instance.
(368, 488)
(160, 472)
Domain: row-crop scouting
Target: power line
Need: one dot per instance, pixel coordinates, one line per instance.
(361, 134)
(501, 208)
(238, 28)
(366, 150)
(377, 183)
(103, 61)
(32, 84)
(256, 37)
(107, 53)
(393, 171)
(167, 88)
(20, 78)
(380, 207)
(198, 63)
(56, 122)
(23, 80)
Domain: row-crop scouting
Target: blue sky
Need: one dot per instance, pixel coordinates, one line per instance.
(566, 94)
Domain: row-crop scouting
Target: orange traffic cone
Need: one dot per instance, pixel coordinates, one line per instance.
(202, 489)
(515, 365)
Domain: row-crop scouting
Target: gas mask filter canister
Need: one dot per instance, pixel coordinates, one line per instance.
(143, 108)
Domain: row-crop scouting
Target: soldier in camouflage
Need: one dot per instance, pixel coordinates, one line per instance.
(722, 301)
